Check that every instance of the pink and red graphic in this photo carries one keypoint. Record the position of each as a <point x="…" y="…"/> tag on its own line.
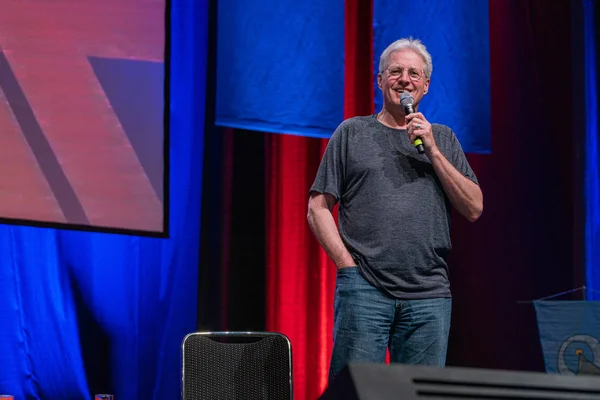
<point x="81" y="112"/>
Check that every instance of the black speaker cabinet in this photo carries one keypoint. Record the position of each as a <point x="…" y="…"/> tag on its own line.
<point x="366" y="381"/>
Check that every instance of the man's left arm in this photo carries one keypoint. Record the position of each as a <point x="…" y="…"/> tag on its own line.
<point x="464" y="194"/>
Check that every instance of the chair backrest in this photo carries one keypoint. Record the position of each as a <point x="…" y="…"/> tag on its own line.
<point x="236" y="365"/>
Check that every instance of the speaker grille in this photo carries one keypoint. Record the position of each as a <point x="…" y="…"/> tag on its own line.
<point x="248" y="366"/>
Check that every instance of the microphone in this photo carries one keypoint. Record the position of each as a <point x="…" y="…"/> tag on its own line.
<point x="407" y="102"/>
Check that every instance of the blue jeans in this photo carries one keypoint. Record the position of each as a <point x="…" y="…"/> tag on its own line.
<point x="367" y="321"/>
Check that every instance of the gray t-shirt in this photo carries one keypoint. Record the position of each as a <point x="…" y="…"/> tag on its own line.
<point x="394" y="216"/>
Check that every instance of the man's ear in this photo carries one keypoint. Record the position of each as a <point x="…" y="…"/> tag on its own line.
<point x="379" y="79"/>
<point x="426" y="86"/>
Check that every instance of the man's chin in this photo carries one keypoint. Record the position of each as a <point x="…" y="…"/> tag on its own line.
<point x="393" y="103"/>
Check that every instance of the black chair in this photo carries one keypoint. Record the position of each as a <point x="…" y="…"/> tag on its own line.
<point x="236" y="365"/>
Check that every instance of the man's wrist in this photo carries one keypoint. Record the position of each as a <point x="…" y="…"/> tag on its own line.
<point x="434" y="154"/>
<point x="345" y="263"/>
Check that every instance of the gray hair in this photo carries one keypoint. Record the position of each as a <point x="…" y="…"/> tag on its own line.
<point x="411" y="44"/>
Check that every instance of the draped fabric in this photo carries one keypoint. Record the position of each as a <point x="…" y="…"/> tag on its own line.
<point x="456" y="34"/>
<point x="592" y="151"/>
<point x="300" y="276"/>
<point x="86" y="313"/>
<point x="280" y="65"/>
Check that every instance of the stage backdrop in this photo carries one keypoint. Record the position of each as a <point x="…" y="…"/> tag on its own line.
<point x="591" y="13"/>
<point x="528" y="243"/>
<point x="280" y="65"/>
<point x="85" y="313"/>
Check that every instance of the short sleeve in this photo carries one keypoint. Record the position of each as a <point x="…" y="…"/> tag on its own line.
<point x="459" y="160"/>
<point x="330" y="175"/>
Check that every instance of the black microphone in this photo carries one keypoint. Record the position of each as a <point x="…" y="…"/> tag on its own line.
<point x="407" y="102"/>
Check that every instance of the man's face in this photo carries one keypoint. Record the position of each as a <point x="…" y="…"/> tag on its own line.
<point x="402" y="73"/>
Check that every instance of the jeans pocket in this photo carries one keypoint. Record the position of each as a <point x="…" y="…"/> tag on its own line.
<point x="347" y="278"/>
<point x="348" y="268"/>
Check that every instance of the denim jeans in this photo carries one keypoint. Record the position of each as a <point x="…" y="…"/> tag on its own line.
<point x="367" y="321"/>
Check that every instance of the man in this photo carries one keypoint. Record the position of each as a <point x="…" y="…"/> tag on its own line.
<point x="392" y="287"/>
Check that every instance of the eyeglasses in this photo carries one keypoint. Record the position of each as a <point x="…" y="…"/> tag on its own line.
<point x="414" y="74"/>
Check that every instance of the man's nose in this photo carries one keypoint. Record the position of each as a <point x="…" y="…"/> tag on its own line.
<point x="404" y="77"/>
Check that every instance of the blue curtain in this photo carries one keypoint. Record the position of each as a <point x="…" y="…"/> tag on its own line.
<point x="281" y="66"/>
<point x="86" y="312"/>
<point x="456" y="34"/>
<point x="592" y="157"/>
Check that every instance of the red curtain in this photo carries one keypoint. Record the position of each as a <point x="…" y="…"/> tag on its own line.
<point x="300" y="276"/>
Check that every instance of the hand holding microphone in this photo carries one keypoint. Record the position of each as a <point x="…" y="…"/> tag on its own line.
<point x="407" y="102"/>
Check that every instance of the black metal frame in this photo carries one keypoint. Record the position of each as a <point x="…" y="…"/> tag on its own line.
<point x="233" y="334"/>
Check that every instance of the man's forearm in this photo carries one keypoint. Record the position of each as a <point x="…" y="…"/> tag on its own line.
<point x="463" y="193"/>
<point x="323" y="226"/>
